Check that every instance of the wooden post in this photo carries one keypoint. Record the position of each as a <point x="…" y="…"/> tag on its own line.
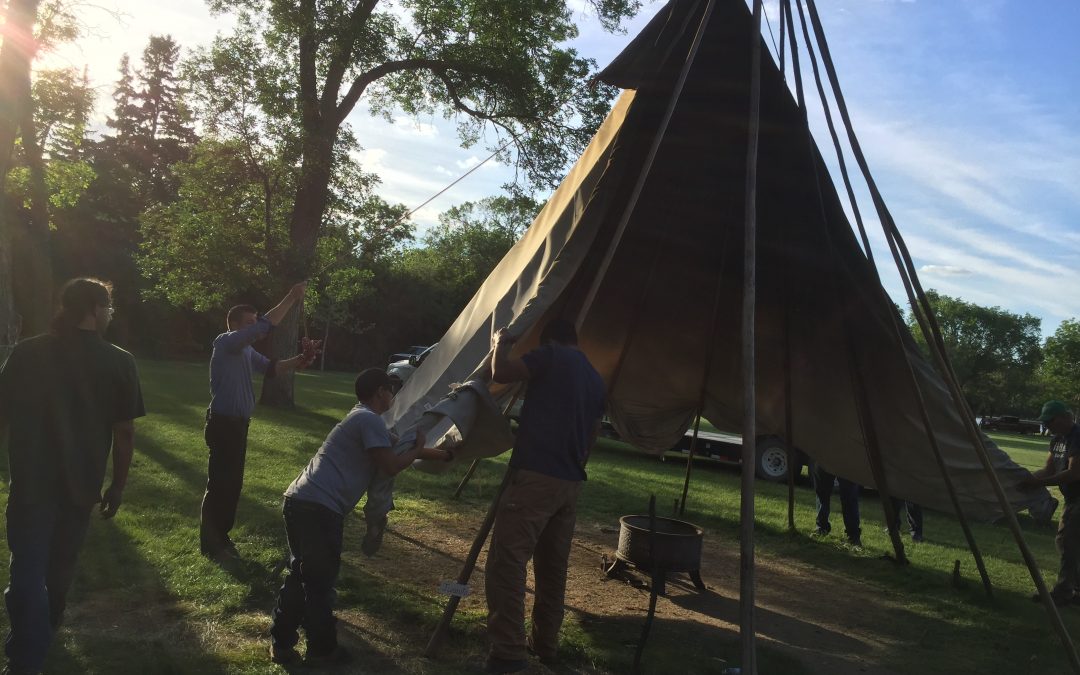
<point x="897" y="331"/>
<point x="928" y="323"/>
<point x="657" y="575"/>
<point x="747" y="628"/>
<point x="467" y="569"/>
<point x="690" y="462"/>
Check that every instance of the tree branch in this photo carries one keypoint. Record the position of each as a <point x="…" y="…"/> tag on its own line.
<point x="339" y="64"/>
<point x="356" y="90"/>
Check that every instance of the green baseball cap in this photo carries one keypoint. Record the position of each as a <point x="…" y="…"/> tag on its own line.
<point x="1052" y="409"/>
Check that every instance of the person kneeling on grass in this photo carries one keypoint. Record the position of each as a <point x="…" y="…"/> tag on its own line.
<point x="314" y="509"/>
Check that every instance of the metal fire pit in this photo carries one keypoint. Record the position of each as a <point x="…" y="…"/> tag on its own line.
<point x="677" y="548"/>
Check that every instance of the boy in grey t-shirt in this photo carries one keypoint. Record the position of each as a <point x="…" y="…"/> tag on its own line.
<point x="316" y="503"/>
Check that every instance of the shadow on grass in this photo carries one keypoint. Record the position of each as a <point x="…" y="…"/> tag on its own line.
<point x="673" y="645"/>
<point x="122" y="617"/>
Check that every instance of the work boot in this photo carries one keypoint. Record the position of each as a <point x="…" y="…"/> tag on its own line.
<point x="335" y="657"/>
<point x="284" y="655"/>
<point x="500" y="665"/>
<point x="546" y="658"/>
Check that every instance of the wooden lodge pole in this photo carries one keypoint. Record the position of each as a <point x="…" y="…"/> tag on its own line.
<point x="897" y="331"/>
<point x="747" y="627"/>
<point x="928" y="323"/>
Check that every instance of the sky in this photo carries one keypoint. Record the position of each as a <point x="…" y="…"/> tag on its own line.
<point x="966" y="111"/>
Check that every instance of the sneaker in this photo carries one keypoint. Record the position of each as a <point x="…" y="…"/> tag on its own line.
<point x="373" y="537"/>
<point x="855" y="541"/>
<point x="819" y="532"/>
<point x="284" y="655"/>
<point x="917" y="538"/>
<point x="496" y="664"/>
<point x="336" y="656"/>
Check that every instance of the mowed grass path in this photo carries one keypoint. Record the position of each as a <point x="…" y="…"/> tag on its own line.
<point x="145" y="601"/>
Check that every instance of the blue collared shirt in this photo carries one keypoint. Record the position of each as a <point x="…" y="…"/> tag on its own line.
<point x="231" y="366"/>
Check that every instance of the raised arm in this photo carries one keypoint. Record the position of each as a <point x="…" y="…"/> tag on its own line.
<point x="504" y="368"/>
<point x="279" y="311"/>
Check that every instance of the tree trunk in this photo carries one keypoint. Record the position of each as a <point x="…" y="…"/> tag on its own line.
<point x="308" y="209"/>
<point x="27" y="268"/>
<point x="31" y="247"/>
<point x="277" y="391"/>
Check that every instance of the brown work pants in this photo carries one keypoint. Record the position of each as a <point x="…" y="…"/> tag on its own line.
<point x="535" y="520"/>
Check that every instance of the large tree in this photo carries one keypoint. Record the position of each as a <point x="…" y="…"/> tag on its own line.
<point x="25" y="264"/>
<point x="497" y="65"/>
<point x="1061" y="363"/>
<point x="994" y="352"/>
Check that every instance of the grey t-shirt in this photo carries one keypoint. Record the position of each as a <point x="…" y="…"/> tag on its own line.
<point x="339" y="473"/>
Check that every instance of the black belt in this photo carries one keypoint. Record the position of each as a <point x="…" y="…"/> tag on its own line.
<point x="225" y="418"/>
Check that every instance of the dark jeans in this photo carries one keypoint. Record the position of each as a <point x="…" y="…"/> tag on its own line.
<point x="44" y="540"/>
<point x="914" y="515"/>
<point x="849" y="501"/>
<point x="1068" y="545"/>
<point x="226" y="437"/>
<point x="307" y="596"/>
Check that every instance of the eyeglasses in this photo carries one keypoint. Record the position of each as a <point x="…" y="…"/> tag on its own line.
<point x="110" y="310"/>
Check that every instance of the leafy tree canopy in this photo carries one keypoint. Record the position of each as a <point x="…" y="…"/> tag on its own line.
<point x="995" y="353"/>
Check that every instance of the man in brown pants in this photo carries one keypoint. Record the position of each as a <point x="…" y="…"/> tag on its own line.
<point x="535" y="517"/>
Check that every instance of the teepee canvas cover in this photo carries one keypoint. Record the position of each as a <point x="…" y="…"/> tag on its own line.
<point x="821" y="312"/>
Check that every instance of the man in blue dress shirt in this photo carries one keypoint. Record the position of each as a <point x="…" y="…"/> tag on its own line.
<point x="232" y="400"/>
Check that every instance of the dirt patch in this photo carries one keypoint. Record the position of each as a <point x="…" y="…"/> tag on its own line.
<point x="822" y="619"/>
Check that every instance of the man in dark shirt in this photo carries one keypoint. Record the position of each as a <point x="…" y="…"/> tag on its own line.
<point x="1063" y="469"/>
<point x="66" y="398"/>
<point x="232" y="400"/>
<point x="535" y="518"/>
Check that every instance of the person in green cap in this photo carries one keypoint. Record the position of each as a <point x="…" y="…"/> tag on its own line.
<point x="1063" y="469"/>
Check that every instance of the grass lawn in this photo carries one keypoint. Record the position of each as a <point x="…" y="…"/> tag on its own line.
<point x="145" y="600"/>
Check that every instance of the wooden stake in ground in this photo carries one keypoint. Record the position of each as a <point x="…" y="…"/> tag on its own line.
<point x="467" y="569"/>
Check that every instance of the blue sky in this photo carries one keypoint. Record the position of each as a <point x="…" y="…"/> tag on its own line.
<point x="965" y="109"/>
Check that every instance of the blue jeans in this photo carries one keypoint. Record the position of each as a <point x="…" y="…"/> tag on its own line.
<point x="44" y="540"/>
<point x="914" y="515"/>
<point x="307" y="596"/>
<point x="849" y="501"/>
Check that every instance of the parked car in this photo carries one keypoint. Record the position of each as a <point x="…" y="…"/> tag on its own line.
<point x="400" y="371"/>
<point x="1011" y="423"/>
<point x="415" y="350"/>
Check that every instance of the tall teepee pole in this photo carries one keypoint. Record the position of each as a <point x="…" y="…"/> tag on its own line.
<point x="897" y="330"/>
<point x="746" y="511"/>
<point x="928" y="322"/>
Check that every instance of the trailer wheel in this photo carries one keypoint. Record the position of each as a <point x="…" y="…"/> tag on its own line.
<point x="772" y="460"/>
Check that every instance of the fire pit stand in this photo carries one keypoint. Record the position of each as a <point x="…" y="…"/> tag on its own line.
<point x="676" y="549"/>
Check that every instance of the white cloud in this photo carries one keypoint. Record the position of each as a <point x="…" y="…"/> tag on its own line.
<point x="945" y="270"/>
